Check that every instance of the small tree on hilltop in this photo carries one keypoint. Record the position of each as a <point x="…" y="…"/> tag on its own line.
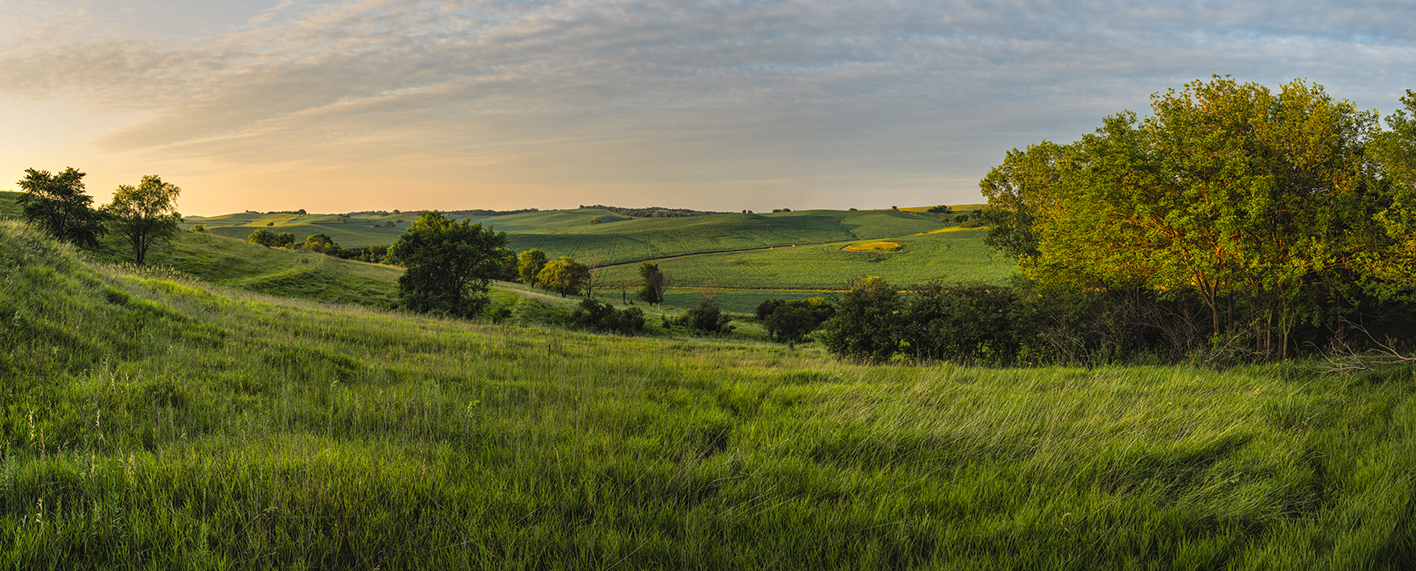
<point x="450" y="265"/>
<point x="145" y="214"/>
<point x="57" y="204"/>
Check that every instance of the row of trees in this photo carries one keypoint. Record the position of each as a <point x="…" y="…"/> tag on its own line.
<point x="320" y="243"/>
<point x="142" y="215"/>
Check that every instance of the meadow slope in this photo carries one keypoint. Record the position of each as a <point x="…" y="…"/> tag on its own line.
<point x="152" y="421"/>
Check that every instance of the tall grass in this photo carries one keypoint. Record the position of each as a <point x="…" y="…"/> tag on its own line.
<point x="150" y="421"/>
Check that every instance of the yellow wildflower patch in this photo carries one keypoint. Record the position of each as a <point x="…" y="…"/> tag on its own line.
<point x="874" y="247"/>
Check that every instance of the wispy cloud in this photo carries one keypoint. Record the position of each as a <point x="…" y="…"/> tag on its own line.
<point x="842" y="97"/>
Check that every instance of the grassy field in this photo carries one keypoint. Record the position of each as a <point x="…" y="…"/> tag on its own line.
<point x="153" y="422"/>
<point x="239" y="264"/>
<point x="615" y="239"/>
<point x="955" y="256"/>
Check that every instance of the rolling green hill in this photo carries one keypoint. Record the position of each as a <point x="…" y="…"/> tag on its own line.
<point x="155" y="422"/>
<point x="615" y="239"/>
<point x="251" y="267"/>
<point x="954" y="256"/>
<point x="700" y="251"/>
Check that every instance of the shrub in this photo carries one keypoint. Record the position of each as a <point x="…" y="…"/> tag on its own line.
<point x="791" y="321"/>
<point x="707" y="318"/>
<point x="597" y="316"/>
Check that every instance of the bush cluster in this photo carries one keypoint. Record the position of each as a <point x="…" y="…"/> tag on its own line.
<point x="791" y="321"/>
<point x="596" y="316"/>
<point x="706" y="318"/>
<point x="1026" y="324"/>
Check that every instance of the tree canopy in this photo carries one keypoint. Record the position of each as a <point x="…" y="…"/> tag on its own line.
<point x="1263" y="204"/>
<point x="449" y="265"/>
<point x="564" y="276"/>
<point x="58" y="206"/>
<point x="652" y="283"/>
<point x="145" y="214"/>
<point x="529" y="265"/>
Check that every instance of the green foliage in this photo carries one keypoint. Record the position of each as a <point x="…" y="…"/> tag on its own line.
<point x="529" y="265"/>
<point x="707" y="318"/>
<point x="1265" y="205"/>
<point x="320" y="243"/>
<point x="263" y="237"/>
<point x="58" y="206"/>
<point x="146" y="214"/>
<point x="1394" y="150"/>
<point x="597" y="316"/>
<point x="789" y="321"/>
<point x="866" y="324"/>
<point x="652" y="283"/>
<point x="975" y="323"/>
<point x="564" y="276"/>
<point x="449" y="265"/>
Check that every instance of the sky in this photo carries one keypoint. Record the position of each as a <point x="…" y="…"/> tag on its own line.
<point x="337" y="106"/>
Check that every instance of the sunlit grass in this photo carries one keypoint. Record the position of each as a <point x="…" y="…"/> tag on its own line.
<point x="154" y="421"/>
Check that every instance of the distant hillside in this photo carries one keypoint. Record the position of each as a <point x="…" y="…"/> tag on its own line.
<point x="653" y="211"/>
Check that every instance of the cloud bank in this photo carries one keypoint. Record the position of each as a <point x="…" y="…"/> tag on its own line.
<point x="715" y="104"/>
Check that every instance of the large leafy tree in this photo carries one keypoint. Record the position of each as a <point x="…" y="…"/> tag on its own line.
<point x="1257" y="202"/>
<point x="57" y="204"/>
<point x="145" y="214"/>
<point x="449" y="265"/>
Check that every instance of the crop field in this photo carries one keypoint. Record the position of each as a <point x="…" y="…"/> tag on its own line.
<point x="954" y="256"/>
<point x="160" y="422"/>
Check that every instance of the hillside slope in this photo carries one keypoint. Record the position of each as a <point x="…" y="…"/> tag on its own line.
<point x="152" y="422"/>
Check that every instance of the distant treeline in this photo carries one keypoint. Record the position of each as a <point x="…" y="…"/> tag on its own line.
<point x="484" y="212"/>
<point x="651" y="212"/>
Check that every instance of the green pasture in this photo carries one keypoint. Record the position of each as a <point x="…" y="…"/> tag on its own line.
<point x="651" y="238"/>
<point x="615" y="239"/>
<point x="158" y="422"/>
<point x="953" y="256"/>
<point x="251" y="267"/>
